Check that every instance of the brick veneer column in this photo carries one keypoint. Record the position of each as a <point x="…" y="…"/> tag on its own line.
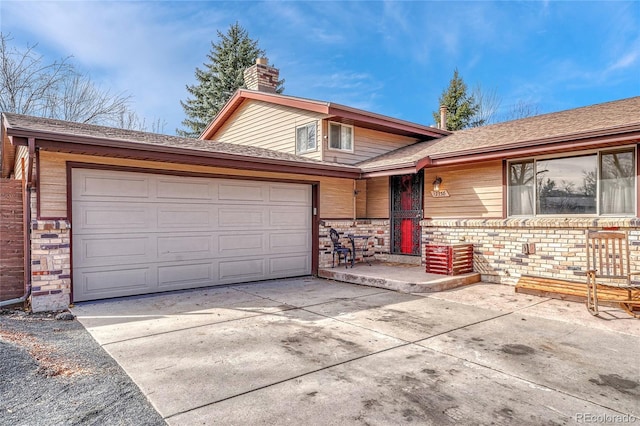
<point x="50" y="265"/>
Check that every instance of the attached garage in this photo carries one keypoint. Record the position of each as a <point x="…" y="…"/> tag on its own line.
<point x="117" y="212"/>
<point x="137" y="233"/>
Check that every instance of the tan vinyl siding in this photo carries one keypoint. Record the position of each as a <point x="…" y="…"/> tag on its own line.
<point x="475" y="191"/>
<point x="336" y="194"/>
<point x="361" y="199"/>
<point x="269" y="126"/>
<point x="367" y="144"/>
<point x="378" y="197"/>
<point x="7" y="155"/>
<point x="22" y="152"/>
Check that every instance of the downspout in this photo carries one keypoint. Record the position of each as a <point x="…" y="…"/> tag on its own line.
<point x="26" y="211"/>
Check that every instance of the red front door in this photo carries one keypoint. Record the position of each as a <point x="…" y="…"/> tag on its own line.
<point x="406" y="213"/>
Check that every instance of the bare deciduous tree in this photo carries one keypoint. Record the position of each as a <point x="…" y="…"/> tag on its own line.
<point x="25" y="82"/>
<point x="78" y="99"/>
<point x="130" y="120"/>
<point x="488" y="106"/>
<point x="522" y="109"/>
<point x="30" y="86"/>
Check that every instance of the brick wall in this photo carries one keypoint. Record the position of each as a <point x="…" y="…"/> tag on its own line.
<point x="50" y="265"/>
<point x="506" y="249"/>
<point x="11" y="239"/>
<point x="377" y="244"/>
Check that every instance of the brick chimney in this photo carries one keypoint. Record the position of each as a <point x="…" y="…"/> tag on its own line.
<point x="261" y="76"/>
<point x="443" y="117"/>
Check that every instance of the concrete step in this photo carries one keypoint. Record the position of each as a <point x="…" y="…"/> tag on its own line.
<point x="403" y="278"/>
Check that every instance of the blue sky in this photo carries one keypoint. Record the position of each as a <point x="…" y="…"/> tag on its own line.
<point x="390" y="57"/>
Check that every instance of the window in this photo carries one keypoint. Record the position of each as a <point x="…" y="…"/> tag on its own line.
<point x="340" y="136"/>
<point x="598" y="183"/>
<point x="306" y="138"/>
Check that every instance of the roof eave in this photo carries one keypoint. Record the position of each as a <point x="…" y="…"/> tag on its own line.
<point x="382" y="120"/>
<point x="564" y="143"/>
<point x="128" y="149"/>
<point x="394" y="170"/>
<point x="327" y="108"/>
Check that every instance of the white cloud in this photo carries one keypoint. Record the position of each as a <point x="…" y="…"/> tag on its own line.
<point x="626" y="61"/>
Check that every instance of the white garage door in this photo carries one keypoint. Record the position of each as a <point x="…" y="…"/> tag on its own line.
<point x="137" y="233"/>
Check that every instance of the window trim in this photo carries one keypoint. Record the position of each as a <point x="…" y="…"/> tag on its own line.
<point x="353" y="137"/>
<point x="599" y="153"/>
<point x="315" y="148"/>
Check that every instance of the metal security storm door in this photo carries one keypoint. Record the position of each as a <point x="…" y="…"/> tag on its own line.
<point x="406" y="213"/>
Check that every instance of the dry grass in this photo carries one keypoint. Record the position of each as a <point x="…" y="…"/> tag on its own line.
<point x="50" y="363"/>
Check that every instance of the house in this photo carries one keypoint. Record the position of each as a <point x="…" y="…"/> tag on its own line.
<point x="116" y="213"/>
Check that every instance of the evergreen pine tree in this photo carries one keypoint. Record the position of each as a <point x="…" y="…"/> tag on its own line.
<point x="219" y="79"/>
<point x="461" y="106"/>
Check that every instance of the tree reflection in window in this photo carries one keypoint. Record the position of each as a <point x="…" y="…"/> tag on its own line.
<point x="562" y="188"/>
<point x="598" y="183"/>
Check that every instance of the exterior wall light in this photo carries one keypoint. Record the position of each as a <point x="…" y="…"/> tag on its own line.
<point x="436" y="183"/>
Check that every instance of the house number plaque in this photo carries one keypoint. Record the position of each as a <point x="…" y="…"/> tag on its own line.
<point x="440" y="194"/>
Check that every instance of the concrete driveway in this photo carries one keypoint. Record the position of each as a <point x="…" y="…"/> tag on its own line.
<point x="313" y="351"/>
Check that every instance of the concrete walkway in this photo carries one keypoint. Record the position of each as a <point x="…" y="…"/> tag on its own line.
<point x="314" y="351"/>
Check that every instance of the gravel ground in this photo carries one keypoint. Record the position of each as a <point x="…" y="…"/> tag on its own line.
<point x="52" y="372"/>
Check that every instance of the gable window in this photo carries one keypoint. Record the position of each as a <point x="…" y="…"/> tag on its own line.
<point x="597" y="183"/>
<point x="306" y="138"/>
<point x="340" y="136"/>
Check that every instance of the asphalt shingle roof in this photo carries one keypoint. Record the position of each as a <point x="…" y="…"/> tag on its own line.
<point x="531" y="130"/>
<point x="64" y="129"/>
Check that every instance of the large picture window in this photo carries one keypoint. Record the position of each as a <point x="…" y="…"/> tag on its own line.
<point x="340" y="136"/>
<point x="306" y="138"/>
<point x="598" y="183"/>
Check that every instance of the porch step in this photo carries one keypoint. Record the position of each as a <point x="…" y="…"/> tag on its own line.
<point x="399" y="277"/>
<point x="566" y="290"/>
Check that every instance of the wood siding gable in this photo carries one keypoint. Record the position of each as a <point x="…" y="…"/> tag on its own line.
<point x="272" y="126"/>
<point x="265" y="125"/>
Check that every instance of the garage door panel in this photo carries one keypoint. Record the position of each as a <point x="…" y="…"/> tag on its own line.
<point x="101" y="283"/>
<point x="181" y="247"/>
<point x="92" y="217"/>
<point x="241" y="217"/>
<point x="241" y="270"/>
<point x="184" y="233"/>
<point x="289" y="217"/>
<point x="289" y="266"/>
<point x="289" y="194"/>
<point x="241" y="244"/>
<point x="240" y="191"/>
<point x="289" y="242"/>
<point x="172" y="217"/>
<point x="185" y="189"/>
<point x="95" y="185"/>
<point x="192" y="274"/>
<point x="111" y="250"/>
